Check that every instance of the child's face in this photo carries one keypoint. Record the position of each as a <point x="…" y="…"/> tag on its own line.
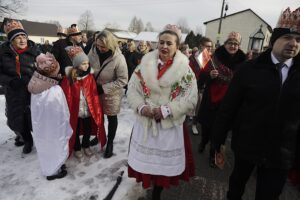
<point x="84" y="65"/>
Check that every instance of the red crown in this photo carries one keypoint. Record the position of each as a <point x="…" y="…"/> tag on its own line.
<point x="12" y="25"/>
<point x="290" y="20"/>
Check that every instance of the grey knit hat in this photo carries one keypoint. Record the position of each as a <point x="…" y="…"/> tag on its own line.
<point x="77" y="55"/>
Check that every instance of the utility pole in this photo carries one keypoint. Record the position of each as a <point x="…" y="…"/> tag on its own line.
<point x="220" y="24"/>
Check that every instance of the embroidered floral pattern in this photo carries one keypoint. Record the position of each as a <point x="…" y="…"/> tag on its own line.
<point x="181" y="86"/>
<point x="146" y="90"/>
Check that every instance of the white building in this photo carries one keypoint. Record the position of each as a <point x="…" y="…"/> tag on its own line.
<point x="38" y="32"/>
<point x="246" y="22"/>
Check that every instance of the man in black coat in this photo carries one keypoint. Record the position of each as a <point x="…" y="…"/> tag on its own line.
<point x="262" y="107"/>
<point x="73" y="39"/>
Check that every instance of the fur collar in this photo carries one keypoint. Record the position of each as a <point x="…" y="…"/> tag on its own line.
<point x="149" y="70"/>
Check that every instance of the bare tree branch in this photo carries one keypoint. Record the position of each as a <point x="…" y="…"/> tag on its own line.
<point x="86" y="21"/>
<point x="12" y="8"/>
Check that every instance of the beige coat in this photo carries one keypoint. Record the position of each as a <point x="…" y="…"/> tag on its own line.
<point x="112" y="78"/>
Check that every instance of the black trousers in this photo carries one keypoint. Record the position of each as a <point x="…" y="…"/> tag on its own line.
<point x="87" y="128"/>
<point x="269" y="181"/>
<point x="112" y="128"/>
<point x="26" y="133"/>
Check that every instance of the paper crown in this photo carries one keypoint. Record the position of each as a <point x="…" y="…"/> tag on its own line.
<point x="73" y="30"/>
<point x="234" y="36"/>
<point x="47" y="65"/>
<point x="61" y="31"/>
<point x="13" y="28"/>
<point x="290" y="20"/>
<point x="77" y="55"/>
<point x="173" y="28"/>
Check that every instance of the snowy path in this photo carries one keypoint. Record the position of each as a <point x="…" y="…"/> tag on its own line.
<point x="20" y="176"/>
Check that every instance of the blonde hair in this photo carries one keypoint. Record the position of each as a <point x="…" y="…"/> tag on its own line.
<point x="108" y="40"/>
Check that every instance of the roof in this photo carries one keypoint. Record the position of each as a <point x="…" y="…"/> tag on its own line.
<point x="153" y="36"/>
<point x="125" y="34"/>
<point x="268" y="26"/>
<point x="36" y="28"/>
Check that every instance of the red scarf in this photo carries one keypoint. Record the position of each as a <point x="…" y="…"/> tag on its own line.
<point x="163" y="68"/>
<point x="18" y="65"/>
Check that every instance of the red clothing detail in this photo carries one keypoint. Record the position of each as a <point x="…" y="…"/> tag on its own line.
<point x="167" y="181"/>
<point x="72" y="93"/>
<point x="162" y="69"/>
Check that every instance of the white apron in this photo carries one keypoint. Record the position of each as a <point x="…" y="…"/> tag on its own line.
<point x="161" y="154"/>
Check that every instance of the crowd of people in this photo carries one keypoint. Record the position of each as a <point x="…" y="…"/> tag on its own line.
<point x="57" y="96"/>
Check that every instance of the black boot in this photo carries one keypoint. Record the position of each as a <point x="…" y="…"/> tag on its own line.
<point x="27" y="147"/>
<point x="212" y="163"/>
<point x="109" y="150"/>
<point x="19" y="141"/>
<point x="62" y="173"/>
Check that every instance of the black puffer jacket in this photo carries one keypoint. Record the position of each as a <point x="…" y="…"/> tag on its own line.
<point x="265" y="114"/>
<point x="17" y="98"/>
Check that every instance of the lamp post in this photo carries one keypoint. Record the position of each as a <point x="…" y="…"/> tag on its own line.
<point x="256" y="40"/>
<point x="220" y="22"/>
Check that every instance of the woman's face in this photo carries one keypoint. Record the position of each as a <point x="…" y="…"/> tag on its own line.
<point x="101" y="46"/>
<point x="232" y="47"/>
<point x="20" y="42"/>
<point x="84" y="65"/>
<point x="167" y="46"/>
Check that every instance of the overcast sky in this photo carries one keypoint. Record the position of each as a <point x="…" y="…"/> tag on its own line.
<point x="158" y="12"/>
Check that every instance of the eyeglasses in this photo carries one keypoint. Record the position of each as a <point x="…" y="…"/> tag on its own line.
<point x="232" y="44"/>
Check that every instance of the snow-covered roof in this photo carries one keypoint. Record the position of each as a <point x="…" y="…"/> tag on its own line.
<point x="153" y="36"/>
<point x="125" y="34"/>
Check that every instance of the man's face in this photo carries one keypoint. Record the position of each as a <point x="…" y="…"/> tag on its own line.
<point x="208" y="46"/>
<point x="286" y="47"/>
<point x="77" y="38"/>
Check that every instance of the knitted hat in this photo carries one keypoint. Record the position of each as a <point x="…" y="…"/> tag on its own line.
<point x="77" y="55"/>
<point x="13" y="28"/>
<point x="173" y="28"/>
<point x="234" y="36"/>
<point x="47" y="65"/>
<point x="289" y="22"/>
<point x="73" y="30"/>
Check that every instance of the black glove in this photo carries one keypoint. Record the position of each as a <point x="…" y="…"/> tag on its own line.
<point x="100" y="89"/>
<point x="18" y="83"/>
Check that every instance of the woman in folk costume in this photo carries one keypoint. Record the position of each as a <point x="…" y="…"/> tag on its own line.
<point x="85" y="108"/>
<point x="50" y="117"/>
<point x="161" y="91"/>
<point x="215" y="78"/>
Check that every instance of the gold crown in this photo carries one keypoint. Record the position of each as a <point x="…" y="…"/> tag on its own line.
<point x="73" y="30"/>
<point x="290" y="20"/>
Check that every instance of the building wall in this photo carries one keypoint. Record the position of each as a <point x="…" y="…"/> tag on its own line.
<point x="42" y="39"/>
<point x="245" y="23"/>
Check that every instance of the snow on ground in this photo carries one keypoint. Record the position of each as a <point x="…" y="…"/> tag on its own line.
<point x="21" y="178"/>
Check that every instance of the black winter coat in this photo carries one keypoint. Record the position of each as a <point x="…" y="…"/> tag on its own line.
<point x="60" y="54"/>
<point x="207" y="111"/>
<point x="265" y="115"/>
<point x="17" y="98"/>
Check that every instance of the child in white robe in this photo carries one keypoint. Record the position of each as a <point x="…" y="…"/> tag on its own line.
<point x="50" y="117"/>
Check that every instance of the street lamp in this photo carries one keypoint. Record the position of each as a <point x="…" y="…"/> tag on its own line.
<point x="256" y="40"/>
<point x="220" y="22"/>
